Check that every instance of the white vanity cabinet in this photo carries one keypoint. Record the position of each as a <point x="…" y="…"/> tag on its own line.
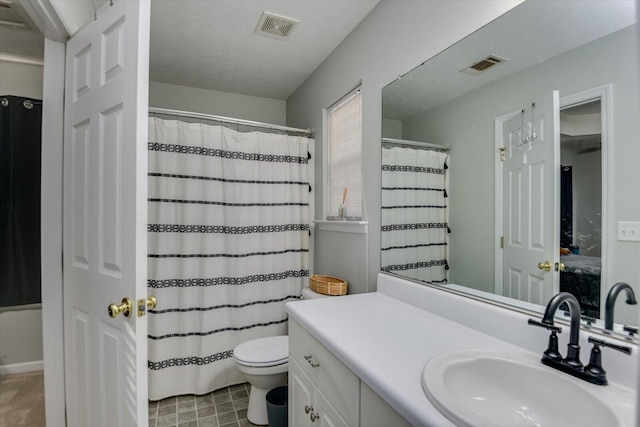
<point x="307" y="405"/>
<point x="322" y="390"/>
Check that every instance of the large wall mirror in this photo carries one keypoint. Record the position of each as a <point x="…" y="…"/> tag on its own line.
<point x="510" y="160"/>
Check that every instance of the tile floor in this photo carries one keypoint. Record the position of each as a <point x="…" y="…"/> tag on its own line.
<point x="226" y="407"/>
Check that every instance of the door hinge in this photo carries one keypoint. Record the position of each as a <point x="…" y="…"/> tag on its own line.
<point x="501" y="242"/>
<point x="503" y="153"/>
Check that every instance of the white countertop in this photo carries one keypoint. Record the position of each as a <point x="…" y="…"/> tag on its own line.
<point x="390" y="359"/>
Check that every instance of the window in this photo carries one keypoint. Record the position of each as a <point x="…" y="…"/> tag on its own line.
<point x="344" y="136"/>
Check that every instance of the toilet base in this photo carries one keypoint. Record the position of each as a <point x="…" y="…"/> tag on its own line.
<point x="257" y="410"/>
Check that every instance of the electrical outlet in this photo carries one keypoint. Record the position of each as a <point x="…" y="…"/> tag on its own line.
<point x="629" y="231"/>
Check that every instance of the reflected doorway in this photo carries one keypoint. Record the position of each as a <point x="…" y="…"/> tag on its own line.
<point x="581" y="203"/>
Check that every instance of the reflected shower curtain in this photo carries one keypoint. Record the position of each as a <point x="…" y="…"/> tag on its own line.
<point x="228" y="242"/>
<point x="20" y="143"/>
<point x="414" y="213"/>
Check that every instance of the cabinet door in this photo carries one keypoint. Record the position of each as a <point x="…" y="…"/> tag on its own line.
<point x="301" y="391"/>
<point x="328" y="416"/>
<point x="376" y="412"/>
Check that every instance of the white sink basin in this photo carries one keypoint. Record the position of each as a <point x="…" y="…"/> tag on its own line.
<point x="479" y="387"/>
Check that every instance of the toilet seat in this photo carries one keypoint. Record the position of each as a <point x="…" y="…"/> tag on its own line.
<point x="263" y="352"/>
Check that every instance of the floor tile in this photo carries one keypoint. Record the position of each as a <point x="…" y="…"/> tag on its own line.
<point x="227" y="418"/>
<point x="163" y="411"/>
<point x="226" y="407"/>
<point x="167" y="401"/>
<point x="221" y="398"/>
<point x="208" y="422"/>
<point x="188" y="405"/>
<point x="186" y="398"/>
<point x="242" y="414"/>
<point x="237" y="387"/>
<point x="239" y="394"/>
<point x="187" y="416"/>
<point x="241" y="403"/>
<point x="203" y="401"/>
<point x="206" y="411"/>
<point x="168" y="421"/>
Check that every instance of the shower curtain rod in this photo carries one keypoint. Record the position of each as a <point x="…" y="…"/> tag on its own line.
<point x="194" y="115"/>
<point x="417" y="144"/>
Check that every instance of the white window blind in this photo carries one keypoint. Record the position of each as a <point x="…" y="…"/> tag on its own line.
<point x="344" y="122"/>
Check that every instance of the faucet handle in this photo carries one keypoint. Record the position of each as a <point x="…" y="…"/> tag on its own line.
<point x="631" y="330"/>
<point x="598" y="342"/>
<point x="545" y="325"/>
<point x="552" y="349"/>
<point x="594" y="369"/>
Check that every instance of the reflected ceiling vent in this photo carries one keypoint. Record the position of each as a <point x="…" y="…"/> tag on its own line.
<point x="275" y="26"/>
<point x="9" y="16"/>
<point x="483" y="65"/>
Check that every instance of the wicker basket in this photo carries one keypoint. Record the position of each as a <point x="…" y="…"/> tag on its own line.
<point x="327" y="285"/>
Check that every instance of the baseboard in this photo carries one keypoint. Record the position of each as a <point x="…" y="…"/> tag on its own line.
<point x="18" y="368"/>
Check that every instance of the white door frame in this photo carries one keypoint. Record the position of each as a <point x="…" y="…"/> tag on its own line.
<point x="604" y="93"/>
<point x="45" y="17"/>
<point x="51" y="233"/>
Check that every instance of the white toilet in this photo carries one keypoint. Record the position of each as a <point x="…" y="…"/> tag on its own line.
<point x="265" y="363"/>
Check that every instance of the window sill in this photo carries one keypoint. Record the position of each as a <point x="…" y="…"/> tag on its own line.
<point x="357" y="227"/>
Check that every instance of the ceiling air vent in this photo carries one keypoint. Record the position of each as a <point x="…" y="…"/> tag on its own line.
<point x="483" y="65"/>
<point x="9" y="16"/>
<point x="276" y="26"/>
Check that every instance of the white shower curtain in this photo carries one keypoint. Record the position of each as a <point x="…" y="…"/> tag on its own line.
<point x="414" y="213"/>
<point x="228" y="242"/>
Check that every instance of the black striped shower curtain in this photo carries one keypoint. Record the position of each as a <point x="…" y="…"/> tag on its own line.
<point x="228" y="239"/>
<point x="414" y="219"/>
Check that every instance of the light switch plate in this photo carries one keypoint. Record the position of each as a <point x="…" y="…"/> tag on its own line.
<point x="629" y="231"/>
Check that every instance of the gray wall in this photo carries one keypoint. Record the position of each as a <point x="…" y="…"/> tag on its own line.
<point x="225" y="104"/>
<point x="394" y="38"/>
<point x="20" y="79"/>
<point x="20" y="329"/>
<point x="473" y="150"/>
<point x="587" y="202"/>
<point x="391" y="129"/>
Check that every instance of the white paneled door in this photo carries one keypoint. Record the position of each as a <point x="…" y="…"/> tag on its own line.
<point x="105" y="217"/>
<point x="530" y="213"/>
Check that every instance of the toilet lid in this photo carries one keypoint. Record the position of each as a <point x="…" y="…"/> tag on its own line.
<point x="268" y="351"/>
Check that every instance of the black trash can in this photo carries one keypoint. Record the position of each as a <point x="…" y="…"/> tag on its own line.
<point x="277" y="407"/>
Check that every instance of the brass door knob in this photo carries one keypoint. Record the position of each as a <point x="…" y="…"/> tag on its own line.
<point x="152" y="302"/>
<point x="546" y="265"/>
<point x="124" y="308"/>
<point x="559" y="266"/>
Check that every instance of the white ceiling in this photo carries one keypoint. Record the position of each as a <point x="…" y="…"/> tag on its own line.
<point x="212" y="44"/>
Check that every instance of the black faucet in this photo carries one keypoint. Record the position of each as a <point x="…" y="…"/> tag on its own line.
<point x="611" y="301"/>
<point x="593" y="373"/>
<point x="573" y="348"/>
